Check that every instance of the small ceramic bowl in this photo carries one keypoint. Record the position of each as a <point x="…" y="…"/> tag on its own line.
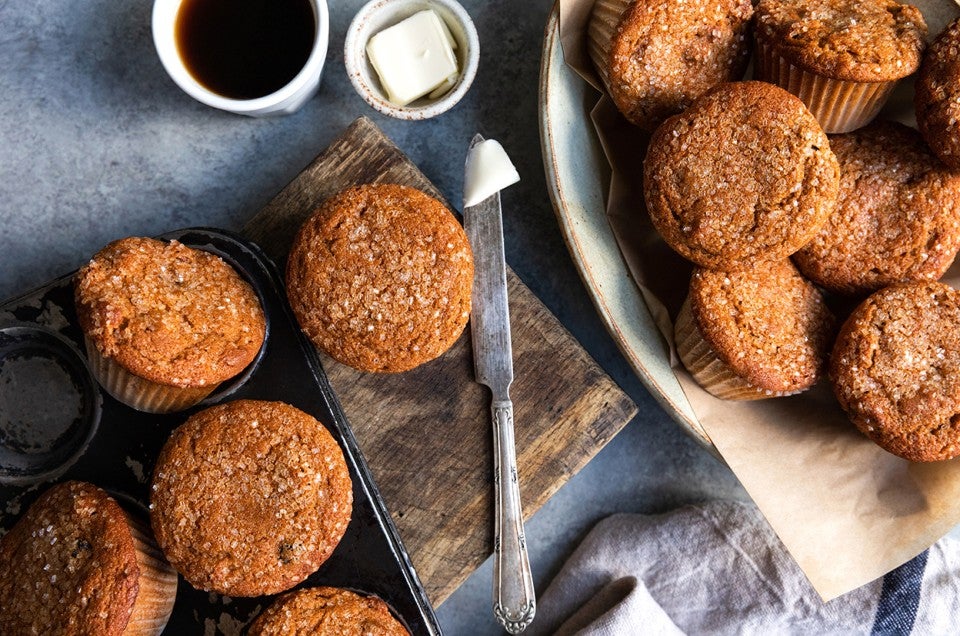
<point x="377" y="15"/>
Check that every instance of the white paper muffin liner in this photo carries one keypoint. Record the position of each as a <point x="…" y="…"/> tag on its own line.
<point x="603" y="24"/>
<point x="840" y="106"/>
<point x="158" y="583"/>
<point x="139" y="393"/>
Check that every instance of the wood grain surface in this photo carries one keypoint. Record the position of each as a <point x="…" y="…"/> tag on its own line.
<point x="426" y="433"/>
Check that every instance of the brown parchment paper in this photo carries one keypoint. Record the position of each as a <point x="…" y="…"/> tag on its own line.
<point x="846" y="510"/>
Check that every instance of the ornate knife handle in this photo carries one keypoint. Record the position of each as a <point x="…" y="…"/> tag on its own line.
<point x="514" y="603"/>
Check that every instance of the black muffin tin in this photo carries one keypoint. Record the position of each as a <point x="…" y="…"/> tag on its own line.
<point x="57" y="424"/>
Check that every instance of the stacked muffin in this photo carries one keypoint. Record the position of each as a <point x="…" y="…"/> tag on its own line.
<point x="790" y="201"/>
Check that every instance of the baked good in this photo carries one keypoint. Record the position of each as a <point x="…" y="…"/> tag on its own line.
<point x="743" y="176"/>
<point x="327" y="611"/>
<point x="164" y="323"/>
<point x="755" y="333"/>
<point x="897" y="216"/>
<point x="895" y="369"/>
<point x="380" y="277"/>
<point x="652" y="72"/>
<point x="77" y="563"/>
<point x="937" y="96"/>
<point x="843" y="58"/>
<point x="250" y="497"/>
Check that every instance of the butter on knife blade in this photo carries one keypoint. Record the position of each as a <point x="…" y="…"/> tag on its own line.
<point x="488" y="170"/>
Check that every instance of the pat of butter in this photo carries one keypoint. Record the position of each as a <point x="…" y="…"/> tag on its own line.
<point x="414" y="57"/>
<point x="488" y="170"/>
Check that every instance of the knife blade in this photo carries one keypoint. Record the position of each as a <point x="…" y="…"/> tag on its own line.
<point x="514" y="602"/>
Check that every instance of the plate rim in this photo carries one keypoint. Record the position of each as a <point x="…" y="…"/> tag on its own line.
<point x="681" y="413"/>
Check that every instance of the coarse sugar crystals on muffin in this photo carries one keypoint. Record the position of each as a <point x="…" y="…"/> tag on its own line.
<point x="250" y="497"/>
<point x="743" y="176"/>
<point x="327" y="611"/>
<point x="77" y="563"/>
<point x="165" y="323"/>
<point x="843" y="58"/>
<point x="937" y="96"/>
<point x="895" y="370"/>
<point x="655" y="57"/>
<point x="755" y="333"/>
<point x="380" y="277"/>
<point x="897" y="215"/>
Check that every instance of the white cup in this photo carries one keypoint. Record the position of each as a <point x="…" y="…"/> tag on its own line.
<point x="283" y="101"/>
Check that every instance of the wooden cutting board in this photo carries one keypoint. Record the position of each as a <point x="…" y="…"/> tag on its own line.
<point x="426" y="433"/>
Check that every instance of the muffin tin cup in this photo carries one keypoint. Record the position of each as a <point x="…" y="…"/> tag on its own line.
<point x="713" y="374"/>
<point x="603" y="24"/>
<point x="839" y="106"/>
<point x="50" y="407"/>
<point x="370" y="558"/>
<point x="139" y="393"/>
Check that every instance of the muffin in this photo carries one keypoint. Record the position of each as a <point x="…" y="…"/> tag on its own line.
<point x="753" y="334"/>
<point x="843" y="58"/>
<point x="327" y="611"/>
<point x="897" y="216"/>
<point x="896" y="370"/>
<point x="937" y="96"/>
<point x="380" y="277"/>
<point x="77" y="563"/>
<point x="164" y="323"/>
<point x="250" y="497"/>
<point x="651" y="71"/>
<point x="743" y="176"/>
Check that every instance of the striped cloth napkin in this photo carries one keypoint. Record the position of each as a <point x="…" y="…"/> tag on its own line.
<point x="718" y="568"/>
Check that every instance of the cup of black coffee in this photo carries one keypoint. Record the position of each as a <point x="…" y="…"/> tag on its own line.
<point x="252" y="57"/>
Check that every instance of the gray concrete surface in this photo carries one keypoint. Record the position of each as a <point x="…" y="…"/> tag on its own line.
<point x="96" y="143"/>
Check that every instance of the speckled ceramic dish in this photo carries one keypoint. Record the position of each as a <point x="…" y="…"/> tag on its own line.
<point x="376" y="16"/>
<point x="578" y="195"/>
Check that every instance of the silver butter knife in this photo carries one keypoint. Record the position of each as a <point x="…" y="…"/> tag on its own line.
<point x="514" y="603"/>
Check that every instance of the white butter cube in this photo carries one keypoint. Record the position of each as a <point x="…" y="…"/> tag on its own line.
<point x="414" y="57"/>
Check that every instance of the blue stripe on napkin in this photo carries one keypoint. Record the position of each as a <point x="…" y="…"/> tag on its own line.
<point x="900" y="598"/>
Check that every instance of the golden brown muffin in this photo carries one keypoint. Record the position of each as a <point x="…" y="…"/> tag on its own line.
<point x="937" y="96"/>
<point x="897" y="216"/>
<point x="76" y="563"/>
<point x="743" y="176"/>
<point x="896" y="370"/>
<point x="380" y="277"/>
<point x="652" y="72"/>
<point x="327" y="611"/>
<point x="753" y="334"/>
<point x="165" y="323"/>
<point x="841" y="57"/>
<point x="250" y="497"/>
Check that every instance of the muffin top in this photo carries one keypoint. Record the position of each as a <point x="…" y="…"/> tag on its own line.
<point x="896" y="369"/>
<point x="250" y="497"/>
<point x="850" y="40"/>
<point x="69" y="565"/>
<point x="742" y="176"/>
<point x="937" y="96"/>
<point x="380" y="277"/>
<point x="655" y="72"/>
<point x="897" y="216"/>
<point x="768" y="323"/>
<point x="327" y="611"/>
<point x="169" y="313"/>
